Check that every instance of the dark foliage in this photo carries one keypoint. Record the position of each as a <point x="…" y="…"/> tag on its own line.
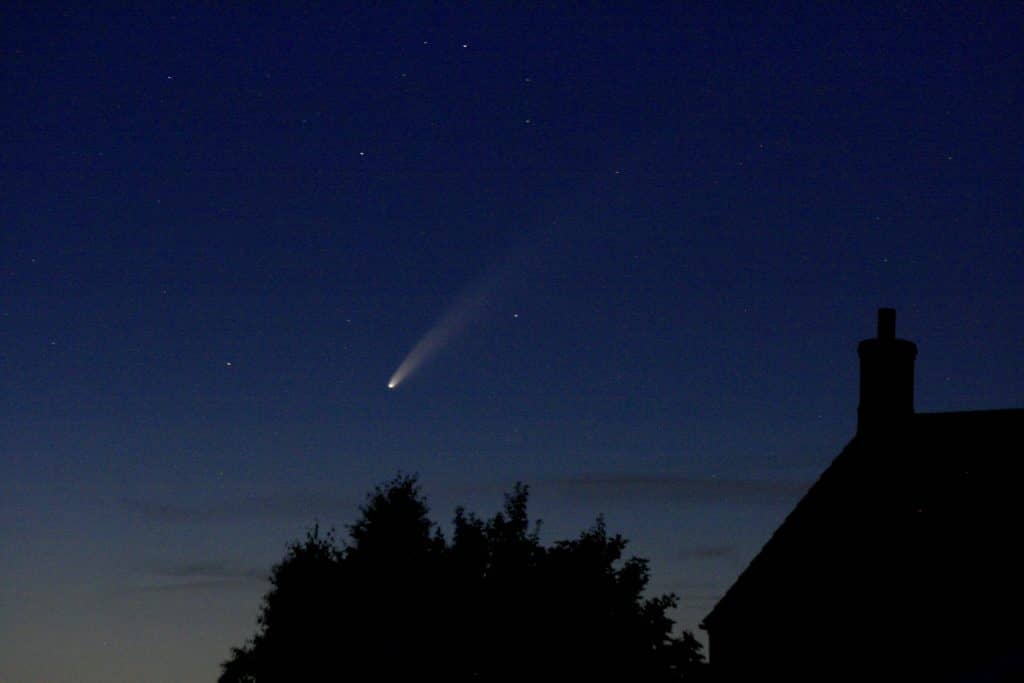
<point x="400" y="602"/>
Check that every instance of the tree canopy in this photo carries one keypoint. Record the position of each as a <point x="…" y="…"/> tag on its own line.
<point x="398" y="600"/>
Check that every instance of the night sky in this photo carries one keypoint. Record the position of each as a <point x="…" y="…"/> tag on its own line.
<point x="652" y="236"/>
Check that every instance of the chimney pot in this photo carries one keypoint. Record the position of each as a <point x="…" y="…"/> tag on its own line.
<point x="886" y="323"/>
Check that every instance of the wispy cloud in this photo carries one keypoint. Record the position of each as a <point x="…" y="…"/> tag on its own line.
<point x="201" y="575"/>
<point x="682" y="489"/>
<point x="711" y="552"/>
<point x="283" y="505"/>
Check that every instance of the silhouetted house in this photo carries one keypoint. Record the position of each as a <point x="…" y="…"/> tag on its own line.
<point x="902" y="562"/>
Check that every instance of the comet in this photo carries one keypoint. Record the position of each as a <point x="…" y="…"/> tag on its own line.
<point x="535" y="252"/>
<point x="450" y="325"/>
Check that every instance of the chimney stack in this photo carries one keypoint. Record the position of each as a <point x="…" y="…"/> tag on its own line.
<point x="886" y="376"/>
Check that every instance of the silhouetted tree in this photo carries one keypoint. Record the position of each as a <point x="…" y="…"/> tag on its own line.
<point x="295" y="621"/>
<point x="399" y="602"/>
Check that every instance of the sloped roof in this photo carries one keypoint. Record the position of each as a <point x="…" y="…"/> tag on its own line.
<point x="935" y="492"/>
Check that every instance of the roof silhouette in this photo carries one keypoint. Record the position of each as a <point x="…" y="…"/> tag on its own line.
<point x="901" y="559"/>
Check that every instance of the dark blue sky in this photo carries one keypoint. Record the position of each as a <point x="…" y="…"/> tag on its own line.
<point x="223" y="228"/>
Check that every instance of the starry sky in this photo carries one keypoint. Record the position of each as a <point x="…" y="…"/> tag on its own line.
<point x="657" y="231"/>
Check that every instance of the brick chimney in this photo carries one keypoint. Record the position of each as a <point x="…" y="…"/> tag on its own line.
<point x="886" y="376"/>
